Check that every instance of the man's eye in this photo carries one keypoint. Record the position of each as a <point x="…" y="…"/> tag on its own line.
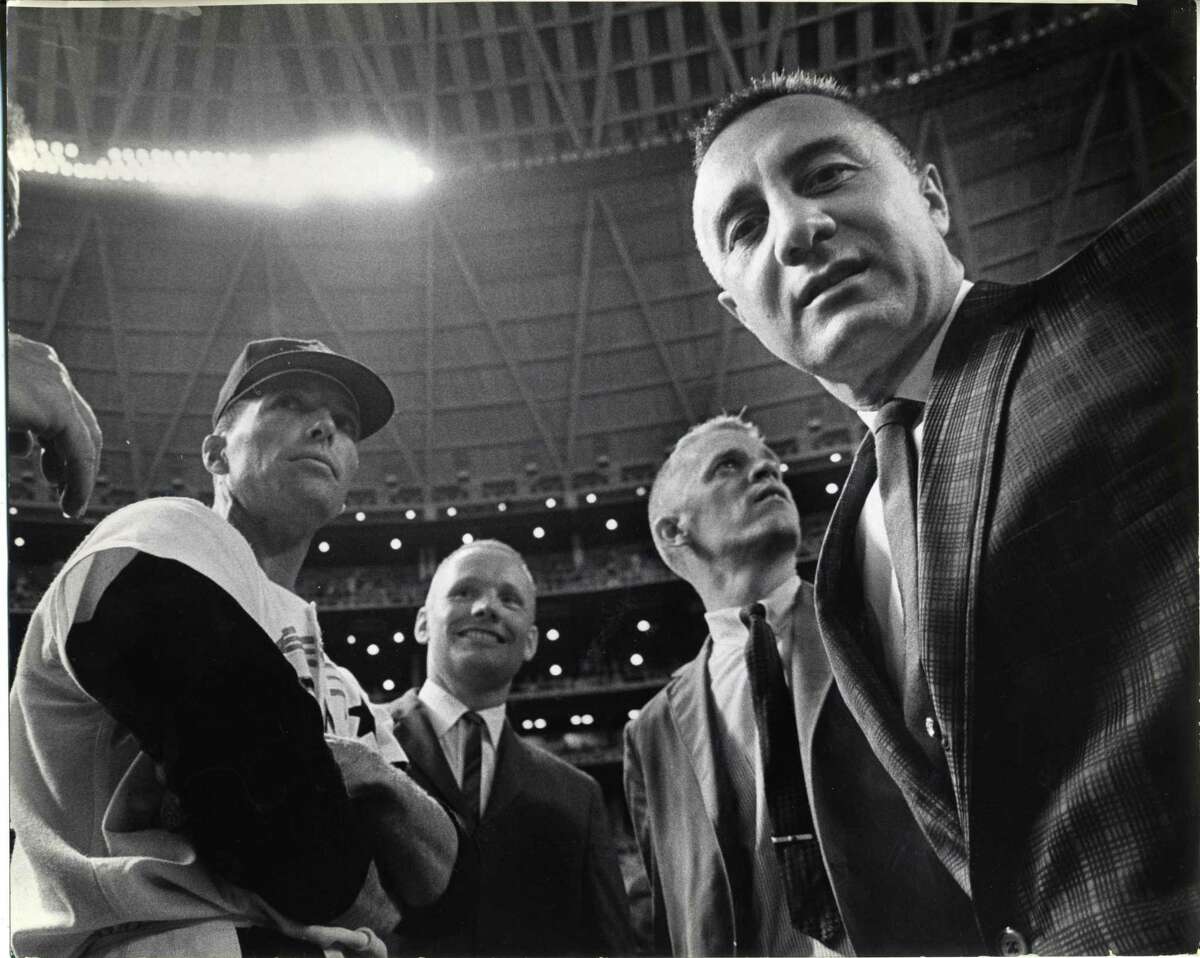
<point x="828" y="177"/>
<point x="743" y="230"/>
<point x="347" y="425"/>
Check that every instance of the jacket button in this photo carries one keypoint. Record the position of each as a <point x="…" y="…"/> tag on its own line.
<point x="1012" y="942"/>
<point x="931" y="728"/>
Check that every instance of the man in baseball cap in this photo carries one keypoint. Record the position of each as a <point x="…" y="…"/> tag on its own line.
<point x="191" y="773"/>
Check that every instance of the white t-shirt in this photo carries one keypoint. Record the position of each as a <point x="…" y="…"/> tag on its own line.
<point x="90" y="856"/>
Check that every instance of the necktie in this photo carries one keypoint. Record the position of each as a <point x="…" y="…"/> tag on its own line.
<point x="810" y="898"/>
<point x="898" y="487"/>
<point x="897" y="461"/>
<point x="472" y="765"/>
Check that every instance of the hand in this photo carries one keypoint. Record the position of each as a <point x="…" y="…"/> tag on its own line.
<point x="415" y="842"/>
<point x="43" y="401"/>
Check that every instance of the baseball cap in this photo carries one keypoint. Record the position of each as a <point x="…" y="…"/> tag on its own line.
<point x="265" y="359"/>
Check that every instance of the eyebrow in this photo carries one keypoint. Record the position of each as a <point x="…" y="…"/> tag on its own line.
<point x="799" y="157"/>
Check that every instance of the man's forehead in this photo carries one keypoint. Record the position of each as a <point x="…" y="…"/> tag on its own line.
<point x="487" y="561"/>
<point x="704" y="445"/>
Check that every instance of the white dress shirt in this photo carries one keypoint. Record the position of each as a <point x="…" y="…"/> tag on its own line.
<point x="881" y="589"/>
<point x="444" y="714"/>
<point x="736" y="728"/>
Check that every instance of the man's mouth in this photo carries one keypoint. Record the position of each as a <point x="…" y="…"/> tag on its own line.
<point x="828" y="278"/>
<point x="770" y="492"/>
<point x="313" y="457"/>
<point x="483" y="635"/>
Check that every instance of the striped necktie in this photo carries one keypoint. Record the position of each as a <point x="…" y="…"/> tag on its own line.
<point x="472" y="765"/>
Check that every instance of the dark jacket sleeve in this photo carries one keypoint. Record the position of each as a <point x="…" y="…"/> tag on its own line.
<point x="209" y="697"/>
<point x="604" y="889"/>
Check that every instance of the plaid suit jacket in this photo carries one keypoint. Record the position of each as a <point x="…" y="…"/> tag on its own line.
<point x="1058" y="594"/>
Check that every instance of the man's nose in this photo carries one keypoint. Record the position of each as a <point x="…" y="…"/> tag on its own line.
<point x="323" y="426"/>
<point x="801" y="225"/>
<point x="484" y="606"/>
<point x="765" y="469"/>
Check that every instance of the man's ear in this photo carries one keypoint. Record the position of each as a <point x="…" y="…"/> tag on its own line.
<point x="531" y="642"/>
<point x="935" y="197"/>
<point x="670" y="531"/>
<point x="212" y="451"/>
<point x="421" y="628"/>
<point x="725" y="298"/>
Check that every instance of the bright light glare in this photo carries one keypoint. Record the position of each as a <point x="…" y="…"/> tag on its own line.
<point x="350" y="168"/>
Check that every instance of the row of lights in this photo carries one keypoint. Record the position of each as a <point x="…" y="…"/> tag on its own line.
<point x="373" y="648"/>
<point x="396" y="544"/>
<point x="539" y="724"/>
<point x="350" y="168"/>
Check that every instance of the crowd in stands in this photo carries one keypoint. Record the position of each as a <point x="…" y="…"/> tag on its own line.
<point x="391" y="586"/>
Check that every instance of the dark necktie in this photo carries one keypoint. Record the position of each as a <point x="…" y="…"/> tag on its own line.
<point x="472" y="765"/>
<point x="809" y="895"/>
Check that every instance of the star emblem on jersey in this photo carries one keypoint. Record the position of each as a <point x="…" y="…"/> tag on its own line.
<point x="366" y="720"/>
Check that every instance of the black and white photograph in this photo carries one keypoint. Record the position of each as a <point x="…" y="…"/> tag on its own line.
<point x="632" y="478"/>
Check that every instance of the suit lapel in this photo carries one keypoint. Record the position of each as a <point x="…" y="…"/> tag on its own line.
<point x="839" y="605"/>
<point x="690" y="707"/>
<point x="425" y="754"/>
<point x="963" y="419"/>
<point x="511" y="760"/>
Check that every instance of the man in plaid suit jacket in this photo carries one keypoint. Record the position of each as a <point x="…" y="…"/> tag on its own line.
<point x="1040" y="724"/>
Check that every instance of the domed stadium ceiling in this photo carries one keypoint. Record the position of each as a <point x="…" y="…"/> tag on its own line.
<point x="537" y="306"/>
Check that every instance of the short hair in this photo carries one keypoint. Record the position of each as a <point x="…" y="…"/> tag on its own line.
<point x="489" y="544"/>
<point x="670" y="467"/>
<point x="774" y="86"/>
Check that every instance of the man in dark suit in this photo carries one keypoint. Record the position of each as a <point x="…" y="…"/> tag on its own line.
<point x="1007" y="590"/>
<point x="548" y="882"/>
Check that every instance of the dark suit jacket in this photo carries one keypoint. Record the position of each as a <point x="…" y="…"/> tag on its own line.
<point x="1057" y="595"/>
<point x="548" y="882"/>
<point x="686" y="826"/>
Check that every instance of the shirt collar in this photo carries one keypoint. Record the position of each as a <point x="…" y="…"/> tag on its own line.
<point x="725" y="625"/>
<point x="919" y="381"/>
<point x="445" y="710"/>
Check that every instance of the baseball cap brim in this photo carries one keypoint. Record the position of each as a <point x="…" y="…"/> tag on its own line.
<point x="374" y="399"/>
